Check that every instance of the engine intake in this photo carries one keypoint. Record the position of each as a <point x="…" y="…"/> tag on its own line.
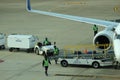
<point x="103" y="40"/>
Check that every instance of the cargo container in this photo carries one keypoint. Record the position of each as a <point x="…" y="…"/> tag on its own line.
<point x="17" y="41"/>
<point x="2" y="41"/>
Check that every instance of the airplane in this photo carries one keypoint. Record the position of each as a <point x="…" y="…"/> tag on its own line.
<point x="110" y="35"/>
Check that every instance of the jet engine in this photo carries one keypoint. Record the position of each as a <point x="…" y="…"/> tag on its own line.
<point x="103" y="40"/>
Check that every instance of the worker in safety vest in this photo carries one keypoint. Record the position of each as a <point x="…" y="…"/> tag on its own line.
<point x="46" y="42"/>
<point x="56" y="52"/>
<point x="45" y="64"/>
<point x="95" y="29"/>
<point x="85" y="51"/>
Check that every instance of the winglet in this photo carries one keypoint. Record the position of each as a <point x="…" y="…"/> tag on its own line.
<point x="28" y="6"/>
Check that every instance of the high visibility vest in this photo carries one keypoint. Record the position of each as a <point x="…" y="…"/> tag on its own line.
<point x="46" y="62"/>
<point x="56" y="51"/>
<point x="95" y="28"/>
<point x="45" y="42"/>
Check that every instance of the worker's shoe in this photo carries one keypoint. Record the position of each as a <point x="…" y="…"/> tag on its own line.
<point x="46" y="74"/>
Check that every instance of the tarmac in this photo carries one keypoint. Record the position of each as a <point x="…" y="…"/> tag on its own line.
<point x="28" y="66"/>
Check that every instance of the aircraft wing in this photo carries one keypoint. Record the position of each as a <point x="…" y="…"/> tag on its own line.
<point x="107" y="24"/>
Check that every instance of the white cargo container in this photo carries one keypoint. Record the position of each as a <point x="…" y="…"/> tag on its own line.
<point x="2" y="41"/>
<point x="17" y="41"/>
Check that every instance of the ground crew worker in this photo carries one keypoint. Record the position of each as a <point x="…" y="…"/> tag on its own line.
<point x="95" y="28"/>
<point x="45" y="64"/>
<point x="114" y="31"/>
<point x="85" y="51"/>
<point x="56" y="52"/>
<point x="54" y="43"/>
<point x="46" y="42"/>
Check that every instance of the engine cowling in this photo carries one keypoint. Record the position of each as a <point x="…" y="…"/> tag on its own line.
<point x="103" y="40"/>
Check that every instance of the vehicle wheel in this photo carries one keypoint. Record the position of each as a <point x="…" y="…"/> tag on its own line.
<point x="96" y="65"/>
<point x="18" y="49"/>
<point x="37" y="51"/>
<point x="11" y="49"/>
<point x="64" y="63"/>
<point x="28" y="50"/>
<point x="32" y="49"/>
<point x="3" y="46"/>
<point x="0" y="47"/>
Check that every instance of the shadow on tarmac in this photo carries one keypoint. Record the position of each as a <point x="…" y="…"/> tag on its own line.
<point x="86" y="66"/>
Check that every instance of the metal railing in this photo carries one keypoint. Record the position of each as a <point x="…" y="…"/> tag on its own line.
<point x="88" y="50"/>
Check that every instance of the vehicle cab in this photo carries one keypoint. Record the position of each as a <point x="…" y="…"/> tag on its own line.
<point x="39" y="48"/>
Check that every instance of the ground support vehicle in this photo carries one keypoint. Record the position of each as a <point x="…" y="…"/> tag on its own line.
<point x="48" y="49"/>
<point x="94" y="62"/>
<point x="18" y="41"/>
<point x="2" y="41"/>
